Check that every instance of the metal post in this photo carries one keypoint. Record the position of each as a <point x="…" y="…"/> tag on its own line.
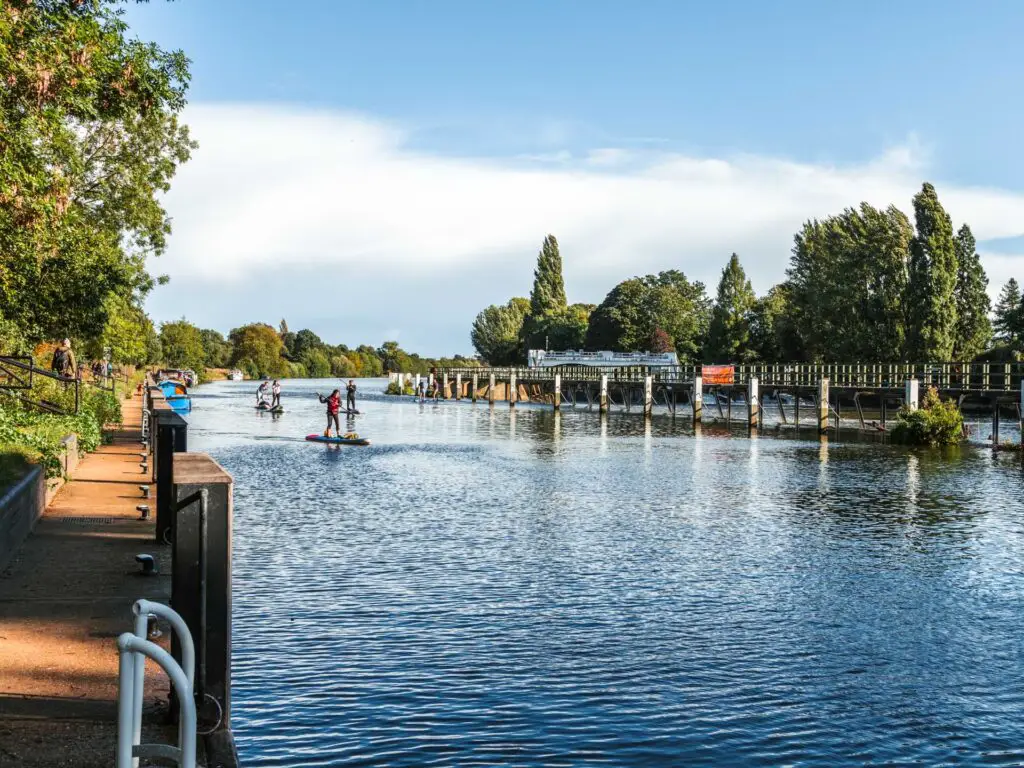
<point x="995" y="421"/>
<point x="603" y="402"/>
<point x="558" y="392"/>
<point x="910" y="395"/>
<point x="648" y="395"/>
<point x="698" y="399"/>
<point x="753" y="403"/>
<point x="823" y="405"/>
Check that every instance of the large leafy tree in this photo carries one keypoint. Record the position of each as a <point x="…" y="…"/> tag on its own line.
<point x="931" y="300"/>
<point x="729" y="333"/>
<point x="631" y="312"/>
<point x="1009" y="314"/>
<point x="771" y="331"/>
<point x="305" y="342"/>
<point x="497" y="330"/>
<point x="973" y="329"/>
<point x="256" y="349"/>
<point x="182" y="345"/>
<point x="216" y="348"/>
<point x="91" y="140"/>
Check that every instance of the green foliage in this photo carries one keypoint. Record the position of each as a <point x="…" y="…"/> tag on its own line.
<point x="729" y="332"/>
<point x="125" y="334"/>
<point x="771" y="334"/>
<point x="973" y="330"/>
<point x="394" y="388"/>
<point x="305" y="340"/>
<point x="91" y="140"/>
<point x="14" y="463"/>
<point x="935" y="423"/>
<point x="257" y="350"/>
<point x="548" y="294"/>
<point x="931" y="301"/>
<point x="627" y="318"/>
<point x="182" y="345"/>
<point x="316" y="363"/>
<point x="496" y="334"/>
<point x="1009" y="320"/>
<point x="216" y="349"/>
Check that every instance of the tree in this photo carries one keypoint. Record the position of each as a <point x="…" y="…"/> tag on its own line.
<point x="660" y="342"/>
<point x="771" y="335"/>
<point x="216" y="348"/>
<point x="182" y="345"/>
<point x="1009" y="314"/>
<point x="931" y="301"/>
<point x="125" y="333"/>
<point x="729" y="333"/>
<point x="973" y="330"/>
<point x="91" y="140"/>
<point x="318" y="366"/>
<point x="256" y="349"/>
<point x="548" y="294"/>
<point x="305" y="341"/>
<point x="497" y="330"/>
<point x="283" y="328"/>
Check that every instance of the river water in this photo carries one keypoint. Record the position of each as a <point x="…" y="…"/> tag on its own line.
<point x="483" y="587"/>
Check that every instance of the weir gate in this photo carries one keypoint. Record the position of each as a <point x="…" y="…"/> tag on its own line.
<point x="870" y="390"/>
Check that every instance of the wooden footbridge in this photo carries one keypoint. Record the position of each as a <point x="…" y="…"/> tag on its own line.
<point x="824" y="389"/>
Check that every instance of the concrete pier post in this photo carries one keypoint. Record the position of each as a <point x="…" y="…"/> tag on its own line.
<point x="698" y="399"/>
<point x="512" y="391"/>
<point x="648" y="395"/>
<point x="444" y="385"/>
<point x="474" y="383"/>
<point x="558" y="392"/>
<point x="603" y="402"/>
<point x="753" y="403"/>
<point x="458" y="386"/>
<point x="416" y="383"/>
<point x="910" y="395"/>
<point x="490" y="390"/>
<point x="823" y="405"/>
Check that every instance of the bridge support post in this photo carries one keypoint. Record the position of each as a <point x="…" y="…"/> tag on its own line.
<point x="512" y="391"/>
<point x="753" y="403"/>
<point x="416" y="383"/>
<point x="823" y="406"/>
<point x="444" y="385"/>
<point x="910" y="394"/>
<point x="458" y="386"/>
<point x="698" y="399"/>
<point x="603" y="402"/>
<point x="490" y="390"/>
<point x="995" y="421"/>
<point x="558" y="391"/>
<point x="648" y="395"/>
<point x="473" y="383"/>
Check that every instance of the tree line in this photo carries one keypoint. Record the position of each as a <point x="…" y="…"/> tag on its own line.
<point x="259" y="350"/>
<point x="863" y="285"/>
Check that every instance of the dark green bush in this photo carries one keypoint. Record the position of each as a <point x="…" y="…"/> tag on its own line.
<point x="934" y="423"/>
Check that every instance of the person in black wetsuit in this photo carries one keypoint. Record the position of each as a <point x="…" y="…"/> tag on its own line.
<point x="350" y="395"/>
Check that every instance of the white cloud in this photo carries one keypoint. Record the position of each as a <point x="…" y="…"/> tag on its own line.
<point x="274" y="184"/>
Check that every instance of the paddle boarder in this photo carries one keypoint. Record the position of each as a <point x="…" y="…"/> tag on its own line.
<point x="333" y="406"/>
<point x="350" y="396"/>
<point x="276" y="392"/>
<point x="261" y="393"/>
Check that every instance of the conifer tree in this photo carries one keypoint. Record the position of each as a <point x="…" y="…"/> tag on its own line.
<point x="1009" y="322"/>
<point x="973" y="329"/>
<point x="729" y="333"/>
<point x="548" y="294"/>
<point x="931" y="303"/>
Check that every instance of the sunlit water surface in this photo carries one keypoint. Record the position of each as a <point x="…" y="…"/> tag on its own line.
<point x="486" y="587"/>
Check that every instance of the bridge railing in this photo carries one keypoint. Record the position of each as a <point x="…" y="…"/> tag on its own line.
<point x="949" y="376"/>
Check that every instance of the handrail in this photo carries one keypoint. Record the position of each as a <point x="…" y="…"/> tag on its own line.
<point x="128" y="645"/>
<point x="143" y="609"/>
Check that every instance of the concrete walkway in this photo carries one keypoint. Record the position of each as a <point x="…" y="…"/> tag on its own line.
<point x="64" y="600"/>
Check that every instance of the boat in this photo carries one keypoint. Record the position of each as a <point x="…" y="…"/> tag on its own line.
<point x="348" y="439"/>
<point x="236" y="375"/>
<point x="176" y="395"/>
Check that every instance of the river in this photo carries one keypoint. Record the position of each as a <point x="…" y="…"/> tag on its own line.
<point x="483" y="587"/>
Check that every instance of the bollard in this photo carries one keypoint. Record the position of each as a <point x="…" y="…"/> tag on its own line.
<point x="557" y="402"/>
<point x="910" y="395"/>
<point x="458" y="386"/>
<point x="698" y="399"/>
<point x="648" y="395"/>
<point x="603" y="403"/>
<point x="512" y="391"/>
<point x="474" y="387"/>
<point x="823" y="406"/>
<point x="753" y="403"/>
<point x="490" y="390"/>
<point x="201" y="576"/>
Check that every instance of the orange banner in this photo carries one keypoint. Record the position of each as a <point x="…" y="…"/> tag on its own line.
<point x="717" y="374"/>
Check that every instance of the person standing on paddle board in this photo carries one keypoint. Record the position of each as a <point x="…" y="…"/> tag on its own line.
<point x="350" y="396"/>
<point x="275" y="390"/>
<point x="333" y="406"/>
<point x="261" y="393"/>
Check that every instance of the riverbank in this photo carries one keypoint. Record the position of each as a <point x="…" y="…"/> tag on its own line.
<point x="64" y="599"/>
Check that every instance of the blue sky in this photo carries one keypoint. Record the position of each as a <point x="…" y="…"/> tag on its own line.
<point x="376" y="169"/>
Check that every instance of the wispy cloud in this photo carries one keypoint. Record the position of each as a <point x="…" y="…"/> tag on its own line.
<point x="274" y="185"/>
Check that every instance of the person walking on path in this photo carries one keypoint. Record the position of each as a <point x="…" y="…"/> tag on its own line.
<point x="63" y="362"/>
<point x="350" y="396"/>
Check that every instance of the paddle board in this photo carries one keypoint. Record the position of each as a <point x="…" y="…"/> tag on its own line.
<point x="337" y="440"/>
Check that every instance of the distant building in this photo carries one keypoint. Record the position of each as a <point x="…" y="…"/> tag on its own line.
<point x="540" y="358"/>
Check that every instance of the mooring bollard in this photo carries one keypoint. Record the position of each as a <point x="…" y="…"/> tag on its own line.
<point x="648" y="395"/>
<point x="603" y="401"/>
<point x="823" y="405"/>
<point x="557" y="403"/>
<point x="753" y="403"/>
<point x="910" y="394"/>
<point x="698" y="399"/>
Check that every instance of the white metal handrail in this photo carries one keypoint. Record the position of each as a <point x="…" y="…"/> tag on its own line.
<point x="134" y="649"/>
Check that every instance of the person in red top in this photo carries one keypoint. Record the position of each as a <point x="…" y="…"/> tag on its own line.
<point x="333" y="406"/>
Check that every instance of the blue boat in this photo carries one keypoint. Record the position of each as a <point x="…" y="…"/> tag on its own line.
<point x="176" y="395"/>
